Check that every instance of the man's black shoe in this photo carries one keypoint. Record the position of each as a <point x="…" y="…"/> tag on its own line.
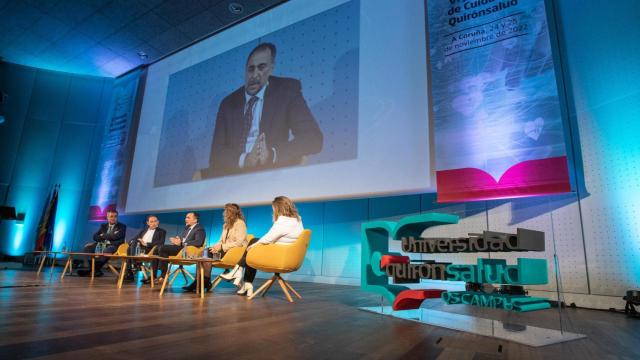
<point x="146" y="281"/>
<point x="83" y="272"/>
<point x="207" y="284"/>
<point x="190" y="288"/>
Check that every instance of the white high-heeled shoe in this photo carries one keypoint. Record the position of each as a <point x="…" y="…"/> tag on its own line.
<point x="247" y="289"/>
<point x="239" y="277"/>
<point x="231" y="274"/>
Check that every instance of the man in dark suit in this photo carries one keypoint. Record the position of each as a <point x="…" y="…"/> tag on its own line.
<point x="146" y="239"/>
<point x="192" y="235"/>
<point x="264" y="124"/>
<point x="110" y="235"/>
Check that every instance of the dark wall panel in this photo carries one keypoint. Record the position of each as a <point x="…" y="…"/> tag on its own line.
<point x="72" y="158"/>
<point x="17" y="82"/>
<point x="86" y="95"/>
<point x="49" y="96"/>
<point x="36" y="153"/>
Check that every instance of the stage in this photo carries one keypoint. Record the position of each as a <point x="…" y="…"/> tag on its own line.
<point x="43" y="317"/>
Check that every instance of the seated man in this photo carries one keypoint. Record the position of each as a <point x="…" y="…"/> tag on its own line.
<point x="193" y="235"/>
<point x="264" y="124"/>
<point x="111" y="235"/>
<point x="147" y="238"/>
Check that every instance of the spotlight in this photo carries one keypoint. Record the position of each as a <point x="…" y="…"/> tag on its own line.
<point x="8" y="213"/>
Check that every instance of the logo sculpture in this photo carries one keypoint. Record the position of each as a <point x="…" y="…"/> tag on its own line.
<point x="378" y="264"/>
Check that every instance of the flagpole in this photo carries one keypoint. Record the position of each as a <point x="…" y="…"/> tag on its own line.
<point x="52" y="219"/>
<point x="50" y="247"/>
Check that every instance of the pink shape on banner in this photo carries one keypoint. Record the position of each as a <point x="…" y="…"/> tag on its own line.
<point x="527" y="178"/>
<point x="99" y="214"/>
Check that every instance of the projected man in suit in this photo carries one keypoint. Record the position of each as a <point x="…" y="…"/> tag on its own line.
<point x="192" y="235"/>
<point x="110" y="235"/>
<point x="146" y="239"/>
<point x="264" y="124"/>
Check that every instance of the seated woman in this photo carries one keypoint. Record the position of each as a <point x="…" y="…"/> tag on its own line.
<point x="286" y="228"/>
<point x="234" y="234"/>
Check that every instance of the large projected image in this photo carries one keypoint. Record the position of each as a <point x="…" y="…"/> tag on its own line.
<point x="288" y="98"/>
<point x="313" y="99"/>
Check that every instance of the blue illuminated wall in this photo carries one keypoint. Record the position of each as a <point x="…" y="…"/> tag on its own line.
<point x="54" y="123"/>
<point x="602" y="68"/>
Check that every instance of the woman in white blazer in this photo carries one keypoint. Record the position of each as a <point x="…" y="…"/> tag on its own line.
<point x="287" y="226"/>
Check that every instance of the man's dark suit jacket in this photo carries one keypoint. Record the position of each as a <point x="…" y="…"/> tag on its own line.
<point x="157" y="239"/>
<point x="196" y="237"/>
<point x="283" y="109"/>
<point x="115" y="238"/>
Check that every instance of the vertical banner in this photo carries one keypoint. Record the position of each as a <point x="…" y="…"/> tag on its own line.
<point x="114" y="152"/>
<point x="496" y="112"/>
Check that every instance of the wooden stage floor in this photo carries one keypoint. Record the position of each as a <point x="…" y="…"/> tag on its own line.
<point x="76" y="319"/>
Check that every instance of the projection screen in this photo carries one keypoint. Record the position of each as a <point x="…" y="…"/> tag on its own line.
<point x="343" y="111"/>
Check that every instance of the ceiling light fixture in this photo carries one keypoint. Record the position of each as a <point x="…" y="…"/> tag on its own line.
<point x="236" y="8"/>
<point x="143" y="55"/>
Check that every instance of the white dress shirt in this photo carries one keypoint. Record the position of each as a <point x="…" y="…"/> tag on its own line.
<point x="147" y="238"/>
<point x="284" y="231"/>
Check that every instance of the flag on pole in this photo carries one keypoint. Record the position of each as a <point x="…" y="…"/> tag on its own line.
<point x="44" y="238"/>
